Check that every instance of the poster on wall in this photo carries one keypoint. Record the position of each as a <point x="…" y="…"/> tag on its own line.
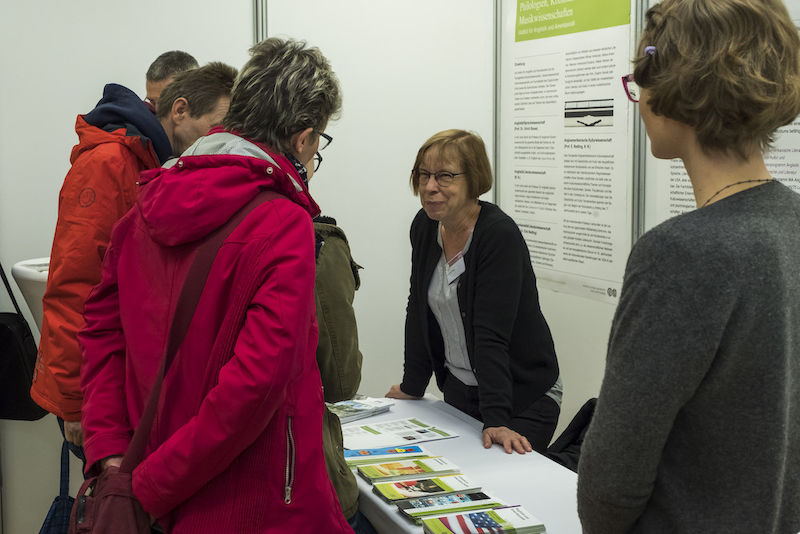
<point x="668" y="191"/>
<point x="565" y="150"/>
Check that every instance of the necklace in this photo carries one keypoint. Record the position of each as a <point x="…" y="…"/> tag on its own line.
<point x="731" y="185"/>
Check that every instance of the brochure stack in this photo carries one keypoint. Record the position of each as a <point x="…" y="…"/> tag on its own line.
<point x="430" y="490"/>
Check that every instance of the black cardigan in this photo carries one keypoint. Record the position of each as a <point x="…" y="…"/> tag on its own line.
<point x="509" y="343"/>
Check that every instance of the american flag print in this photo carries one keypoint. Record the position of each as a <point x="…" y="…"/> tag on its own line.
<point x="476" y="523"/>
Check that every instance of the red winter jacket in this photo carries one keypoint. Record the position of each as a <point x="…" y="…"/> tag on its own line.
<point x="237" y="443"/>
<point x="98" y="190"/>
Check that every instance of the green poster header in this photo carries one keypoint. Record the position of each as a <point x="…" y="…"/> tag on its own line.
<point x="548" y="18"/>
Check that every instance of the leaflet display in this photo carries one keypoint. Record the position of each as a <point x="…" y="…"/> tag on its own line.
<point x="402" y="490"/>
<point x="510" y="519"/>
<point x="396" y="433"/>
<point x="438" y="505"/>
<point x="400" y="469"/>
<point x="359" y="407"/>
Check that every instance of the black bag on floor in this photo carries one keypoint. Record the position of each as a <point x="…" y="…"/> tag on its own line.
<point x="17" y="361"/>
<point x="566" y="450"/>
<point x="57" y="520"/>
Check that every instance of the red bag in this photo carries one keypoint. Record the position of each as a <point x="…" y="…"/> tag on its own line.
<point x="106" y="504"/>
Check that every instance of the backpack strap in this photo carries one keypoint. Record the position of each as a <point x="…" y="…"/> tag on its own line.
<point x="63" y="487"/>
<point x="8" y="288"/>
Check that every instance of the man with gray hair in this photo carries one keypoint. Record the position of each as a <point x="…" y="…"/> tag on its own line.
<point x="163" y="70"/>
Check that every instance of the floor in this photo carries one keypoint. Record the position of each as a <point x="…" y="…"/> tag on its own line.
<point x="30" y="457"/>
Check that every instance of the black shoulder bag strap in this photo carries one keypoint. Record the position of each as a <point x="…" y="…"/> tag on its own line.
<point x="8" y="288"/>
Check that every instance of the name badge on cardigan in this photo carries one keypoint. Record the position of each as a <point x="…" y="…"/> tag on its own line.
<point x="455" y="267"/>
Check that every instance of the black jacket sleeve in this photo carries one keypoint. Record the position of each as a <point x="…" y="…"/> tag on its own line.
<point x="417" y="368"/>
<point x="498" y="283"/>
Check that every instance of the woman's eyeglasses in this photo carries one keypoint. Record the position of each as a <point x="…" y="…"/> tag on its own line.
<point x="443" y="178"/>
<point x="631" y="88"/>
<point x="324" y="141"/>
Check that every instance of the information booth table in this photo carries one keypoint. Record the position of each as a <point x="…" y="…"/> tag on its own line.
<point x="543" y="487"/>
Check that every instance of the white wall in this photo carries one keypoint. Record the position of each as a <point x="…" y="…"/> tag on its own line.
<point x="56" y="57"/>
<point x="407" y="69"/>
<point x="580" y="328"/>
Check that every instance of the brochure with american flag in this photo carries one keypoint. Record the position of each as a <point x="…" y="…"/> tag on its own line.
<point x="498" y="521"/>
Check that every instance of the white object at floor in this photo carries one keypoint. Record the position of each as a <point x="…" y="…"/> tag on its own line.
<point x="31" y="277"/>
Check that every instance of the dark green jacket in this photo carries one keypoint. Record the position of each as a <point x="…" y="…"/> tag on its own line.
<point x="338" y="357"/>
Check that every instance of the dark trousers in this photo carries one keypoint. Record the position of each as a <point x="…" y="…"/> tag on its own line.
<point x="360" y="524"/>
<point x="537" y="422"/>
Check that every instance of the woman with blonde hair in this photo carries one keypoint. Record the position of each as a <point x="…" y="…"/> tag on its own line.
<point x="697" y="425"/>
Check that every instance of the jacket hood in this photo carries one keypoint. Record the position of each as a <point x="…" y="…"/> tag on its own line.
<point x="195" y="194"/>
<point x="122" y="108"/>
<point x="90" y="137"/>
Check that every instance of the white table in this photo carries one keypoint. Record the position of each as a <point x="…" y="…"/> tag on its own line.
<point x="542" y="486"/>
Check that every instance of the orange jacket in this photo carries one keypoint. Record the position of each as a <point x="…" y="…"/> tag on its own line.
<point x="98" y="190"/>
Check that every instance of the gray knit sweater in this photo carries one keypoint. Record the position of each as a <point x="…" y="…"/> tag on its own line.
<point x="697" y="428"/>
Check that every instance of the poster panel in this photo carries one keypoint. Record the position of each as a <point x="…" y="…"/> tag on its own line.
<point x="565" y="149"/>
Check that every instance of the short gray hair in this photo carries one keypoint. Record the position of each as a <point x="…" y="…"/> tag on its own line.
<point x="169" y="64"/>
<point x="284" y="88"/>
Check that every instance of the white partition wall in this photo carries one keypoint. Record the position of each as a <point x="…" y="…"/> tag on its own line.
<point x="407" y="70"/>
<point x="56" y="58"/>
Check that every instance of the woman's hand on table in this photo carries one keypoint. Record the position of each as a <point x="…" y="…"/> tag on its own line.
<point x="396" y="393"/>
<point x="506" y="437"/>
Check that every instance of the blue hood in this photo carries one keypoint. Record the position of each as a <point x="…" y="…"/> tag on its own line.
<point x="122" y="108"/>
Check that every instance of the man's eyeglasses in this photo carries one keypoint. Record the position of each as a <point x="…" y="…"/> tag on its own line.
<point x="324" y="141"/>
<point x="631" y="88"/>
<point x="443" y="178"/>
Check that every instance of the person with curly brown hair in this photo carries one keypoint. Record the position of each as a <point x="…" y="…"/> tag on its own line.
<point x="696" y="427"/>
